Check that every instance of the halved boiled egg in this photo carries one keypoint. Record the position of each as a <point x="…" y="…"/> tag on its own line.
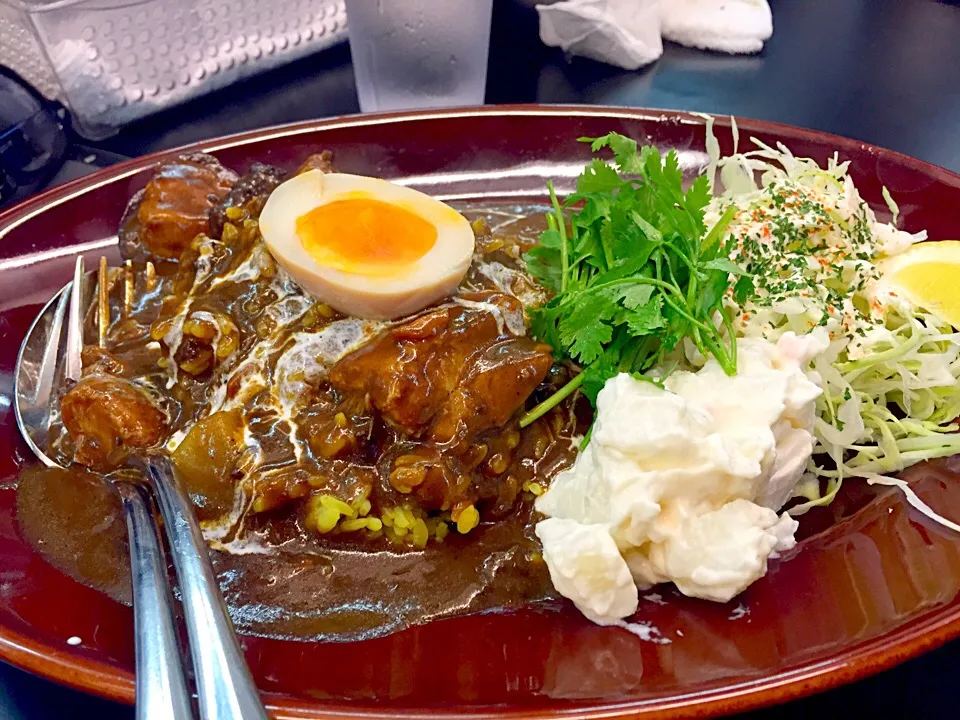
<point x="367" y="247"/>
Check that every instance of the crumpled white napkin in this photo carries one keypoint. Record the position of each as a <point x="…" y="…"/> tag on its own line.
<point x="730" y="26"/>
<point x="620" y="32"/>
<point x="627" y="33"/>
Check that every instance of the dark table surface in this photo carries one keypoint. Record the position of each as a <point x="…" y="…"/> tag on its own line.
<point x="883" y="71"/>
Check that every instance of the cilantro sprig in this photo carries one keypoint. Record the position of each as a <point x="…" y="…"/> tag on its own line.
<point x="632" y="269"/>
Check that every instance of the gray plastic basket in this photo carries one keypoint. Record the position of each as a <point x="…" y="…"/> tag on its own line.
<point x="113" y="61"/>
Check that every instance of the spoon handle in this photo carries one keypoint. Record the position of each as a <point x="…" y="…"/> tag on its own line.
<point x="224" y="684"/>
<point x="162" y="692"/>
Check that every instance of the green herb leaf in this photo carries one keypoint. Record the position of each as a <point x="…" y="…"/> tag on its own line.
<point x="543" y="261"/>
<point x="698" y="196"/>
<point x="598" y="177"/>
<point x="635" y="275"/>
<point x="636" y="296"/>
<point x="725" y="265"/>
<point x="643" y="320"/>
<point x="743" y="289"/>
<point x="624" y="151"/>
<point x="586" y="344"/>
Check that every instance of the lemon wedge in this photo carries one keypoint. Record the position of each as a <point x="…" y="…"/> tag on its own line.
<point x="928" y="276"/>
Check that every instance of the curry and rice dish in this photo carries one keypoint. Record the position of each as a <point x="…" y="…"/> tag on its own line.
<point x="269" y="400"/>
<point x="306" y="437"/>
<point x="385" y="413"/>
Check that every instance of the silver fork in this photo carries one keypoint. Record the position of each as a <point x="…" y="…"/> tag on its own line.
<point x="225" y="688"/>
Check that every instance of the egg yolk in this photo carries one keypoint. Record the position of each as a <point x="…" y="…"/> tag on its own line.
<point x="363" y="234"/>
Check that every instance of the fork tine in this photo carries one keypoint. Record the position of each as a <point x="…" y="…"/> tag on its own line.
<point x="47" y="374"/>
<point x="129" y="286"/>
<point x="72" y="363"/>
<point x="103" y="302"/>
<point x="151" y="276"/>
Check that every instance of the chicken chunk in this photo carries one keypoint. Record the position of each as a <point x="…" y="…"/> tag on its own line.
<point x="455" y="369"/>
<point x="250" y="192"/>
<point x="490" y="388"/>
<point x="107" y="417"/>
<point x="174" y="207"/>
<point x="409" y="370"/>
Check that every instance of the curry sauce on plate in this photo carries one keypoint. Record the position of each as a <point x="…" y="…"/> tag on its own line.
<point x="351" y="476"/>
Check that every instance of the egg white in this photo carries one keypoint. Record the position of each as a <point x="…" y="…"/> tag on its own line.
<point x="407" y="288"/>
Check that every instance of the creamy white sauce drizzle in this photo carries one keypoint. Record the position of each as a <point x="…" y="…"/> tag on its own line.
<point x="204" y="263"/>
<point x="257" y="261"/>
<point x="510" y="281"/>
<point x="512" y="320"/>
<point x="172" y="339"/>
<point x="313" y="353"/>
<point x="214" y="530"/>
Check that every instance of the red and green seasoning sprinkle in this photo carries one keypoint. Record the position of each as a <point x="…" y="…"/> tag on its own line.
<point x="796" y="245"/>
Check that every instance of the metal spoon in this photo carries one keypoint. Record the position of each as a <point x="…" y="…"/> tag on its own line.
<point x="43" y="363"/>
<point x="226" y="690"/>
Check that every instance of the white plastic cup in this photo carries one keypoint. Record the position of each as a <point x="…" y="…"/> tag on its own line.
<point x="419" y="53"/>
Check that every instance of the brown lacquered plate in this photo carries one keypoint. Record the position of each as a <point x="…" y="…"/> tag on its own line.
<point x="871" y="584"/>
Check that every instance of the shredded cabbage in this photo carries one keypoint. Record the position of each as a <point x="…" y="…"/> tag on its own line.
<point x="891" y="396"/>
<point x="912" y="498"/>
<point x="891" y="203"/>
<point x="894" y="406"/>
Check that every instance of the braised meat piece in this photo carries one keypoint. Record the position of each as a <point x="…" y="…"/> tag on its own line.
<point x="454" y="371"/>
<point x="250" y="193"/>
<point x="411" y="369"/>
<point x="174" y="207"/>
<point x="107" y="417"/>
<point x="95" y="359"/>
<point x="495" y="382"/>
<point x="448" y="383"/>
